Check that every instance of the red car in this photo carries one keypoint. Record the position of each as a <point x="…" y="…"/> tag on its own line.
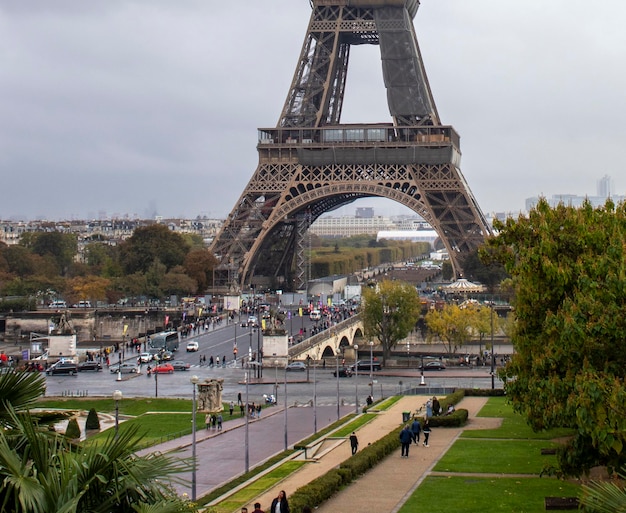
<point x="164" y="368"/>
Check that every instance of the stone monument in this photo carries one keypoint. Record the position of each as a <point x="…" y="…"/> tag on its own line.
<point x="210" y="395"/>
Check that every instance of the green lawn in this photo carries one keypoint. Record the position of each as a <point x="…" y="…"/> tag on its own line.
<point x="480" y="495"/>
<point x="495" y="456"/>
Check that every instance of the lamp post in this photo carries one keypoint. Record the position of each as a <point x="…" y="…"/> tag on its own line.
<point x="194" y="381"/>
<point x="371" y="368"/>
<point x="247" y="439"/>
<point x="117" y="397"/>
<point x="422" y="382"/>
<point x="259" y="356"/>
<point x="493" y="384"/>
<point x="337" y="374"/>
<point x="156" y="375"/>
<point x="356" y="378"/>
<point x="315" y="396"/>
<point x="286" y="442"/>
<point x="276" y="381"/>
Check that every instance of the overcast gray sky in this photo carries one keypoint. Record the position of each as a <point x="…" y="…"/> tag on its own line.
<point x="146" y="107"/>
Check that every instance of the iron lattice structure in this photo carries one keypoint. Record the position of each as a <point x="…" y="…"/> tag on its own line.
<point x="311" y="163"/>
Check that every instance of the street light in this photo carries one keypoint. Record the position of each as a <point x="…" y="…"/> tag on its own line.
<point x="337" y="374"/>
<point x="117" y="397"/>
<point x="156" y="375"/>
<point x="315" y="396"/>
<point x="194" y="381"/>
<point x="356" y="377"/>
<point x="247" y="439"/>
<point x="286" y="443"/>
<point x="493" y="384"/>
<point x="372" y="368"/>
<point x="276" y="381"/>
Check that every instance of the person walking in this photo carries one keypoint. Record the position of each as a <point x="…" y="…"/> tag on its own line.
<point x="231" y="408"/>
<point x="426" y="430"/>
<point x="436" y="407"/>
<point x="207" y="421"/>
<point x="219" y="421"/>
<point x="416" y="427"/>
<point x="429" y="409"/>
<point x="280" y="503"/>
<point x="257" y="508"/>
<point x="405" y="439"/>
<point x="354" y="442"/>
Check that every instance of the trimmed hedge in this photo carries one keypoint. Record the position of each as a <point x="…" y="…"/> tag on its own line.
<point x="93" y="422"/>
<point x="73" y="430"/>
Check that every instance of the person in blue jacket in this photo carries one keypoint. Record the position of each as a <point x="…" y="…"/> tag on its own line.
<point x="405" y="439"/>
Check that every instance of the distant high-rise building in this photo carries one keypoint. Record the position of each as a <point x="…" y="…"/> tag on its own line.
<point x="364" y="213"/>
<point x="605" y="187"/>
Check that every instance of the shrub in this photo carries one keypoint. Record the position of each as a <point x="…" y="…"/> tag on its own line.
<point x="73" y="429"/>
<point x="93" y="422"/>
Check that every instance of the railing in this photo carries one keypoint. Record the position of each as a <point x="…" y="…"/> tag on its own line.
<point x="310" y="342"/>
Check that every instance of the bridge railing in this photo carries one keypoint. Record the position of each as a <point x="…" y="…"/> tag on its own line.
<point x="318" y="338"/>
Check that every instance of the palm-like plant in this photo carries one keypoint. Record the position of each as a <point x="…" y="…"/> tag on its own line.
<point x="41" y="472"/>
<point x="604" y="497"/>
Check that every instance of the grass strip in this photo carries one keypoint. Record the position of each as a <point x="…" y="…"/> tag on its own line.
<point x="478" y="495"/>
<point x="495" y="456"/>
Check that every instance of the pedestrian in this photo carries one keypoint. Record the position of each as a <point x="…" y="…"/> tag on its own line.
<point x="219" y="421"/>
<point x="405" y="439"/>
<point x="416" y="427"/>
<point x="241" y="409"/>
<point x="354" y="442"/>
<point x="258" y="411"/>
<point x="429" y="408"/>
<point x="244" y="510"/>
<point x="211" y="361"/>
<point x="217" y="361"/>
<point x="436" y="406"/>
<point x="239" y="398"/>
<point x="224" y="361"/>
<point x="214" y="421"/>
<point x="426" y="430"/>
<point x="280" y="504"/>
<point x="204" y="359"/>
<point x="231" y="407"/>
<point x="257" y="508"/>
<point x="207" y="421"/>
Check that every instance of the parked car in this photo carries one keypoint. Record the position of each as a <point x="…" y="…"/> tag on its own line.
<point x="63" y="367"/>
<point x="163" y="368"/>
<point x="434" y="365"/>
<point x="192" y="346"/>
<point x="58" y="304"/>
<point x="146" y="357"/>
<point x="125" y="368"/>
<point x="179" y="365"/>
<point x="343" y="373"/>
<point x="366" y="365"/>
<point x="296" y="366"/>
<point x="89" y="365"/>
<point x="82" y="304"/>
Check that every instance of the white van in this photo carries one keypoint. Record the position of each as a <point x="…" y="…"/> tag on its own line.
<point x="315" y="315"/>
<point x="58" y="304"/>
<point x="83" y="304"/>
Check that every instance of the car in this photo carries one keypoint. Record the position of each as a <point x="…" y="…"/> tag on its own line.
<point x="366" y="365"/>
<point x="89" y="365"/>
<point x="192" y="346"/>
<point x="146" y="357"/>
<point x="166" y="356"/>
<point x="434" y="365"/>
<point x="58" y="304"/>
<point x="296" y="366"/>
<point x="252" y="322"/>
<point x="179" y="365"/>
<point x="63" y="367"/>
<point x="163" y="368"/>
<point x="343" y="373"/>
<point x="125" y="368"/>
<point x="82" y="304"/>
<point x="315" y="315"/>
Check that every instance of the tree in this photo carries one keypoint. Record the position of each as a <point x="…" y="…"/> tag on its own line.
<point x="568" y="269"/>
<point x="389" y="313"/>
<point x="150" y="243"/>
<point x="62" y="247"/>
<point x="489" y="274"/>
<point x="452" y="325"/>
<point x="199" y="264"/>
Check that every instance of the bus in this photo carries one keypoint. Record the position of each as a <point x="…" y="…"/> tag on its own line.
<point x="165" y="341"/>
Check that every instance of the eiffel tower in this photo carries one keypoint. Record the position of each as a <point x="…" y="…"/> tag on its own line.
<point x="311" y="163"/>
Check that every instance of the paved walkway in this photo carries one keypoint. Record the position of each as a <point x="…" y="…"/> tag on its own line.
<point x="387" y="486"/>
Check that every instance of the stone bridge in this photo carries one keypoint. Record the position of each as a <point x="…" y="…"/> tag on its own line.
<point x="337" y="340"/>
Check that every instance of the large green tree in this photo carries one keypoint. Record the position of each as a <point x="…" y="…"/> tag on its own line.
<point x="150" y="243"/>
<point x="389" y="312"/>
<point x="451" y="325"/>
<point x="568" y="268"/>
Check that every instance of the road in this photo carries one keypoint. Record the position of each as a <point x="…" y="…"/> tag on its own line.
<point x="320" y="384"/>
